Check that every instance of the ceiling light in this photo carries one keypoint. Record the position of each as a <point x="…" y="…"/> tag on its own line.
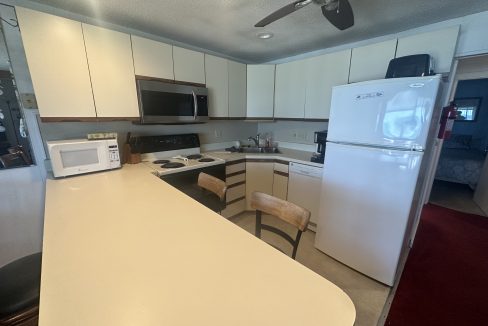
<point x="265" y="35"/>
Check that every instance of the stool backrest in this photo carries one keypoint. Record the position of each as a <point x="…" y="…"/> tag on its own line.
<point x="284" y="210"/>
<point x="212" y="184"/>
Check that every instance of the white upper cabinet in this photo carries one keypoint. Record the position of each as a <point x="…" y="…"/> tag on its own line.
<point x="56" y="57"/>
<point x="112" y="72"/>
<point x="260" y="91"/>
<point x="371" y="61"/>
<point x="439" y="44"/>
<point x="290" y="90"/>
<point x="189" y="65"/>
<point x="323" y="73"/>
<point x="237" y="89"/>
<point x="217" y="77"/>
<point x="152" y="58"/>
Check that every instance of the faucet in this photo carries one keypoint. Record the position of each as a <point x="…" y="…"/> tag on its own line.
<point x="256" y="140"/>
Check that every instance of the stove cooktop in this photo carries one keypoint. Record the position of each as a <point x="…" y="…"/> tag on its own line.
<point x="177" y="163"/>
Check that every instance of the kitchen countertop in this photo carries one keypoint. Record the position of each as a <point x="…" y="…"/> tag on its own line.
<point x="286" y="154"/>
<point x="125" y="248"/>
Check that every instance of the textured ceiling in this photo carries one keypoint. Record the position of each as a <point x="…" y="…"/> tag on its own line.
<point x="227" y="26"/>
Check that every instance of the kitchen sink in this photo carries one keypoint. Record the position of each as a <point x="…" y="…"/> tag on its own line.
<point x="259" y="150"/>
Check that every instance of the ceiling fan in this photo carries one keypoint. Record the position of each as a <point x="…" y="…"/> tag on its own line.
<point x="338" y="12"/>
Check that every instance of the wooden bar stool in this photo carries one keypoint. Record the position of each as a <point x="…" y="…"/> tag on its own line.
<point x="19" y="291"/>
<point x="284" y="210"/>
<point x="216" y="187"/>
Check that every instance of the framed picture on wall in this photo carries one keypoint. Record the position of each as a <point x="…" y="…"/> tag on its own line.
<point x="467" y="108"/>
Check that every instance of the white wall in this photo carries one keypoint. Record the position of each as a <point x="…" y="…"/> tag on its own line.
<point x="299" y="132"/>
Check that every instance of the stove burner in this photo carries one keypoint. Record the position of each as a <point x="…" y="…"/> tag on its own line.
<point x="194" y="156"/>
<point x="206" y="159"/>
<point x="172" y="165"/>
<point x="161" y="161"/>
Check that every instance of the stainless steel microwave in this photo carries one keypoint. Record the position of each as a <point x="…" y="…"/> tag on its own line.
<point x="161" y="102"/>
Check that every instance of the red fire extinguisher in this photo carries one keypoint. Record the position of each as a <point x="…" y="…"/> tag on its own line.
<point x="449" y="114"/>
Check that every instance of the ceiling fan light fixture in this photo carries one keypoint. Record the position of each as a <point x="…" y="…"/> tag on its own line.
<point x="264" y="35"/>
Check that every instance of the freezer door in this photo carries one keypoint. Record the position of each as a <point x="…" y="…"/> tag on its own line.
<point x="365" y="203"/>
<point x="388" y="112"/>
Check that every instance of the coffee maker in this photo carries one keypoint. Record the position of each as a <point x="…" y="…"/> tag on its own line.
<point x="320" y="138"/>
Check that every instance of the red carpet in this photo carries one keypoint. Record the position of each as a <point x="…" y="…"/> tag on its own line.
<point x="445" y="280"/>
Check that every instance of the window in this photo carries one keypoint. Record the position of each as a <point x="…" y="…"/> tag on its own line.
<point x="467" y="108"/>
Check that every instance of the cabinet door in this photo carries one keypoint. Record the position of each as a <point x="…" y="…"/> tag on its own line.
<point x="259" y="177"/>
<point x="237" y="89"/>
<point x="439" y="44"/>
<point x="290" y="90"/>
<point x="152" y="58"/>
<point x="371" y="61"/>
<point x="280" y="186"/>
<point x="260" y="91"/>
<point x="189" y="65"/>
<point x="56" y="57"/>
<point x="323" y="73"/>
<point x="217" y="77"/>
<point x="109" y="56"/>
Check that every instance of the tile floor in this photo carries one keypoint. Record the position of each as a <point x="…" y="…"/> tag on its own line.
<point x="369" y="296"/>
<point x="455" y="196"/>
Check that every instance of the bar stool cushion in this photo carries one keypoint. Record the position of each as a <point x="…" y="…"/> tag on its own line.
<point x="20" y="284"/>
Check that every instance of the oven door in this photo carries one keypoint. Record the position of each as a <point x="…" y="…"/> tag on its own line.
<point x="187" y="182"/>
<point x="161" y="102"/>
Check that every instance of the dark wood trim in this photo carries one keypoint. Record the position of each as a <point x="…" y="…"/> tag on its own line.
<point x="236" y="184"/>
<point x="264" y="160"/>
<point x="235" y="173"/>
<point x="235" y="200"/>
<point x="282" y="162"/>
<point x="170" y="81"/>
<point x="87" y="119"/>
<point x="281" y="173"/>
<point x="241" y="160"/>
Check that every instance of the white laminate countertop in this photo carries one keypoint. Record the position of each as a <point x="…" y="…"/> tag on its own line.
<point x="125" y="248"/>
<point x="286" y="154"/>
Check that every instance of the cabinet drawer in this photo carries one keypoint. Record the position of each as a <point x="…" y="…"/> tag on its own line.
<point x="235" y="179"/>
<point x="235" y="192"/>
<point x="234" y="208"/>
<point x="235" y="168"/>
<point x="281" y="167"/>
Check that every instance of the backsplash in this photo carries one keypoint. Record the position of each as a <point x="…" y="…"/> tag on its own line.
<point x="292" y="131"/>
<point x="210" y="132"/>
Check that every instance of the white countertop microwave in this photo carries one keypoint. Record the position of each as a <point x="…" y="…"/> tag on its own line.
<point x="78" y="156"/>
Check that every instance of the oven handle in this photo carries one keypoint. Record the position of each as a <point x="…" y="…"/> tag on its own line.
<point x="195" y="105"/>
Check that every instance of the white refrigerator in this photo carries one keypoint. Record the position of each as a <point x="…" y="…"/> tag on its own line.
<point x="375" y="144"/>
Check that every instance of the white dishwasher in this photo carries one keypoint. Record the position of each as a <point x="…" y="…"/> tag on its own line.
<point x="304" y="186"/>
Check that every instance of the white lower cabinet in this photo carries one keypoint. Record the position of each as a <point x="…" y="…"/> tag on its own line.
<point x="280" y="180"/>
<point x="259" y="177"/>
<point x="236" y="188"/>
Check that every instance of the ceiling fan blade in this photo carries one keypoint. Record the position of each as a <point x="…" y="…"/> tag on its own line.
<point x="282" y="12"/>
<point x="341" y="17"/>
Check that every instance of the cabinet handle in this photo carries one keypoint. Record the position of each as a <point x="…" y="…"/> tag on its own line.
<point x="195" y="105"/>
